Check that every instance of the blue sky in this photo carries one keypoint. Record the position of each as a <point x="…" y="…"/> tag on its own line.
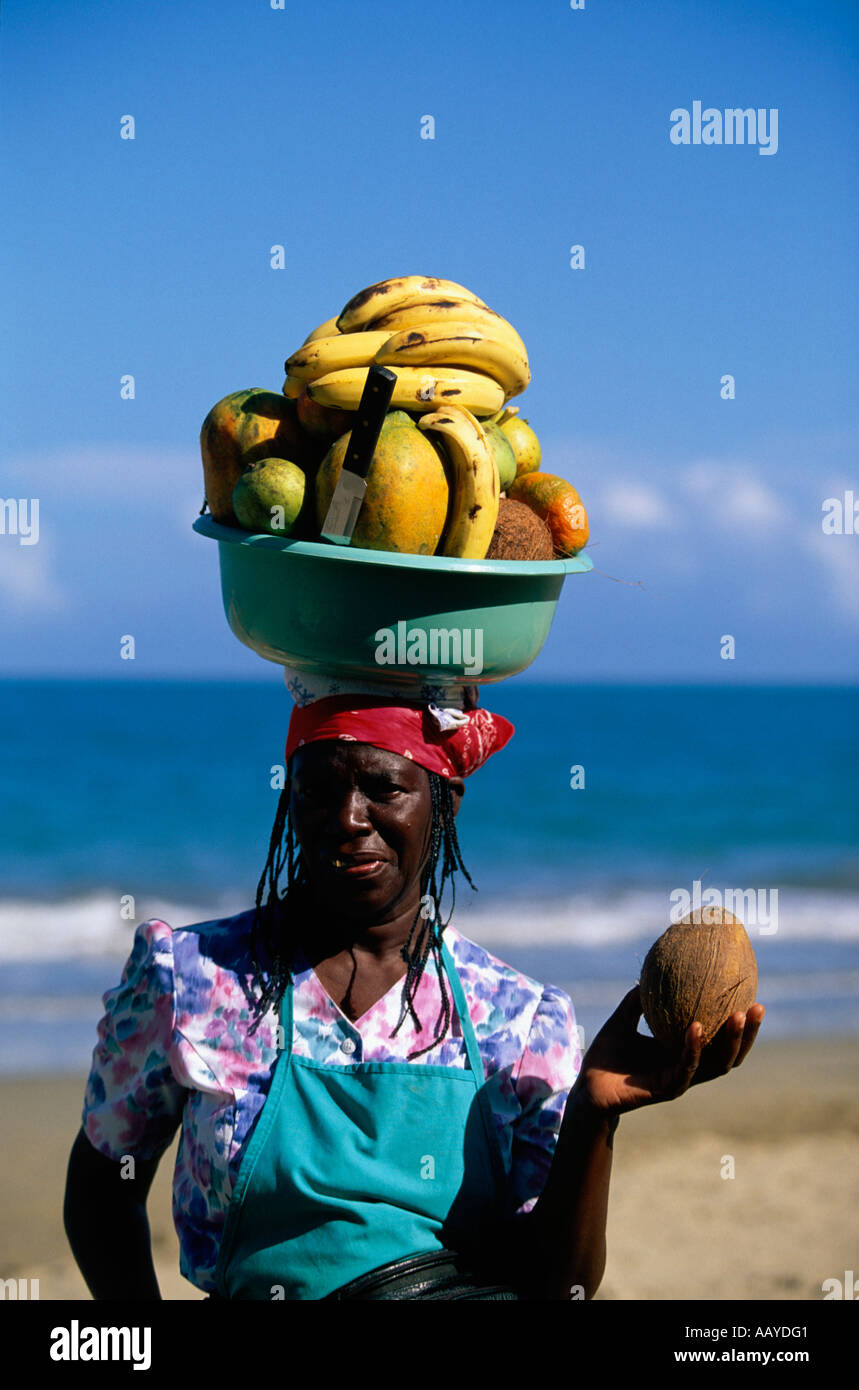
<point x="301" y="127"/>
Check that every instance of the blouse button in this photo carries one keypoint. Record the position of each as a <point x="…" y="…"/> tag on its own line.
<point x="348" y="1046"/>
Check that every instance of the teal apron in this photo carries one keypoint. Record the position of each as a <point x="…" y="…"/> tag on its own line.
<point x="352" y="1167"/>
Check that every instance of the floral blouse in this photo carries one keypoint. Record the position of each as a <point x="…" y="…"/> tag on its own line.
<point x="173" y="1049"/>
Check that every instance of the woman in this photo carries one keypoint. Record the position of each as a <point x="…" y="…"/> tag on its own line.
<point x="370" y="1103"/>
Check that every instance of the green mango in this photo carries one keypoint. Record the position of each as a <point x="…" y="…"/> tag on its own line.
<point x="524" y="443"/>
<point x="269" y="496"/>
<point x="502" y="452"/>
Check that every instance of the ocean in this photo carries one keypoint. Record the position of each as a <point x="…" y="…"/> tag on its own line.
<point x="123" y="800"/>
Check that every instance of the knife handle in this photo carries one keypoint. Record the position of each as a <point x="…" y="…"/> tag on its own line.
<point x="369" y="417"/>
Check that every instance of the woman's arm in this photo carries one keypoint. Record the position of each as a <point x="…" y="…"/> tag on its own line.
<point x="560" y="1246"/>
<point x="106" y="1223"/>
<point x="561" y="1243"/>
<point x="133" y="1105"/>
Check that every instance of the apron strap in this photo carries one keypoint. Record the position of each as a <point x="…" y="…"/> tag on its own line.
<point x="285" y="1019"/>
<point x="472" y="1050"/>
<point x="475" y="1061"/>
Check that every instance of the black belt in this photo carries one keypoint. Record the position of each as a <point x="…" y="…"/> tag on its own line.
<point x="439" y="1275"/>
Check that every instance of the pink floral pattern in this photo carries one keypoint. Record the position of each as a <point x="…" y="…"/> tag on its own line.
<point x="174" y="1051"/>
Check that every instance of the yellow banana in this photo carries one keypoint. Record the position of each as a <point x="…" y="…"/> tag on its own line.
<point x="292" y="387"/>
<point x="417" y="389"/>
<point x="389" y="294"/>
<point x="325" y="330"/>
<point x="459" y="344"/>
<point x="442" y="310"/>
<point x="475" y="492"/>
<point x="332" y="354"/>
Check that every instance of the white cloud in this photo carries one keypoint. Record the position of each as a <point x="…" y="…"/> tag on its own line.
<point x="133" y="474"/>
<point x="838" y="558"/>
<point x="734" y="496"/>
<point x="26" y="583"/>
<point x="636" y="504"/>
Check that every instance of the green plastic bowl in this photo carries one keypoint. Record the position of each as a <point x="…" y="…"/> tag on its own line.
<point x="321" y="608"/>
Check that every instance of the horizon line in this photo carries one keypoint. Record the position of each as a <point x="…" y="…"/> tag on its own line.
<point x="786" y="682"/>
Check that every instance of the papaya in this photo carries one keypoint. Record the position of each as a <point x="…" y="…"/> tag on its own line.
<point x="405" y="505"/>
<point x="558" y="504"/>
<point x="241" y="429"/>
<point x="320" y="420"/>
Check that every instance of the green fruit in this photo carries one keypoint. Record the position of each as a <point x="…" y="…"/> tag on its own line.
<point x="269" y="496"/>
<point x="239" y="430"/>
<point x="525" y="445"/>
<point x="502" y="451"/>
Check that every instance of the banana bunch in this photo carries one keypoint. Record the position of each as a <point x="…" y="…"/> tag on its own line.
<point x="475" y="493"/>
<point x="446" y="346"/>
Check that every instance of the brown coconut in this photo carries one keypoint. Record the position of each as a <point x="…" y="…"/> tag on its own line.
<point x="519" y="534"/>
<point x="703" y="969"/>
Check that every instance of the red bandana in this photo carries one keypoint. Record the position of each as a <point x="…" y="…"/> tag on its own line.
<point x="410" y="730"/>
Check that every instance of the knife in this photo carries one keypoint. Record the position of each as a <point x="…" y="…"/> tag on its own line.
<point x="348" y="498"/>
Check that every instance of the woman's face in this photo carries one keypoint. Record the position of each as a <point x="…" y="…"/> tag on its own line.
<point x="362" y="819"/>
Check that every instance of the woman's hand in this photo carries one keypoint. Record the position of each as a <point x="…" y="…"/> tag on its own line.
<point x="563" y="1240"/>
<point x="623" y="1070"/>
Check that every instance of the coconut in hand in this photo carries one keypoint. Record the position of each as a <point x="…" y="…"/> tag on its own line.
<point x="702" y="968"/>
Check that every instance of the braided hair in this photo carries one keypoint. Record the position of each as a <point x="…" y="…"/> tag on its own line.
<point x="275" y="925"/>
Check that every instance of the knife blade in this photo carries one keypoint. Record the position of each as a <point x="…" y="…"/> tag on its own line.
<point x="342" y="515"/>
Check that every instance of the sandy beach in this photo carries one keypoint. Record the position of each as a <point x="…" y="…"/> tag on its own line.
<point x="788" y="1119"/>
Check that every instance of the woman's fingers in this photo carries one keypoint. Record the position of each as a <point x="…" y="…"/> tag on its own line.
<point x="734" y="1029"/>
<point x="754" y="1019"/>
<point x="691" y="1057"/>
<point x="731" y="1044"/>
<point x="641" y="1070"/>
<point x="673" y="1080"/>
<point x="723" y="1049"/>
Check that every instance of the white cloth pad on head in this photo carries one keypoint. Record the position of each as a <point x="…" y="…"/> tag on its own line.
<point x="305" y="687"/>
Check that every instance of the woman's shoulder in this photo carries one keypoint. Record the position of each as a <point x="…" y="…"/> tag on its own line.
<point x="223" y="940"/>
<point x="218" y="930"/>
<point x="490" y="977"/>
<point x="193" y="960"/>
<point x="524" y="1024"/>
